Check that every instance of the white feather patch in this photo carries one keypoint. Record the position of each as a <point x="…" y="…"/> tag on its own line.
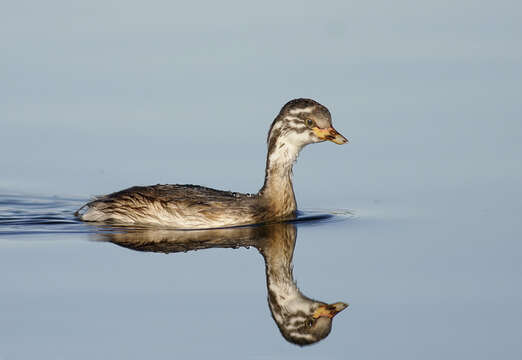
<point x="305" y="110"/>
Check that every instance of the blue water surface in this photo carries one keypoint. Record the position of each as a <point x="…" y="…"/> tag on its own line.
<point x="423" y="229"/>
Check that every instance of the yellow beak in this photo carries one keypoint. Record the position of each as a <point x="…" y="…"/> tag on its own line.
<point x="329" y="311"/>
<point x="330" y="134"/>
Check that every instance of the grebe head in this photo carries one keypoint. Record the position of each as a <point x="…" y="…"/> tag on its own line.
<point x="303" y="321"/>
<point x="301" y="122"/>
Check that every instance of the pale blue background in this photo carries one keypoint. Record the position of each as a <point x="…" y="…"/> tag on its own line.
<point x="100" y="95"/>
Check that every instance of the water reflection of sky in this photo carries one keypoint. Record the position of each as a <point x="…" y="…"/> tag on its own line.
<point x="96" y="98"/>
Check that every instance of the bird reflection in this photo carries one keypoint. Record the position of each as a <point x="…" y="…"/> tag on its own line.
<point x="301" y="320"/>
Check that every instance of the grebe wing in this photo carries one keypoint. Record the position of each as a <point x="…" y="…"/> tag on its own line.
<point x="177" y="193"/>
<point x="184" y="206"/>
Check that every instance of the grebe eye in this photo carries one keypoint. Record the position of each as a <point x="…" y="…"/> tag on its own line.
<point x="310" y="323"/>
<point x="309" y="122"/>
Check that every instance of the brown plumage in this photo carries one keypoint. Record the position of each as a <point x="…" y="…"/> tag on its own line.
<point x="299" y="123"/>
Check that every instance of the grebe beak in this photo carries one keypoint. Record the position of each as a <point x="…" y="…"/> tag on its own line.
<point x="330" y="134"/>
<point x="329" y="311"/>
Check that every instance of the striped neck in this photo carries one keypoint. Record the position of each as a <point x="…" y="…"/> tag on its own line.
<point x="278" y="189"/>
<point x="278" y="252"/>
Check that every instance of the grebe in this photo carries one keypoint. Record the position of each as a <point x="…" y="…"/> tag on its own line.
<point x="300" y="319"/>
<point x="299" y="123"/>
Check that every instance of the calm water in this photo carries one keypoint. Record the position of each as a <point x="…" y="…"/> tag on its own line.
<point x="426" y="248"/>
<point x="422" y="285"/>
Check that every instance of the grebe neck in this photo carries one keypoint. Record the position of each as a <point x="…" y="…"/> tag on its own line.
<point x="278" y="253"/>
<point x="277" y="189"/>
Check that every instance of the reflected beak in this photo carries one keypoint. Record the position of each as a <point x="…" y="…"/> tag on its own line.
<point x="330" y="134"/>
<point x="329" y="311"/>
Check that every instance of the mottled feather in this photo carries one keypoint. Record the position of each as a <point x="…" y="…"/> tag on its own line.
<point x="197" y="207"/>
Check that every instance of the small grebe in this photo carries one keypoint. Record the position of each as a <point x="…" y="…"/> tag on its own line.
<point x="300" y="122"/>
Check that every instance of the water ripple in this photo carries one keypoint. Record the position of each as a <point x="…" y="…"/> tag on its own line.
<point x="22" y="214"/>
